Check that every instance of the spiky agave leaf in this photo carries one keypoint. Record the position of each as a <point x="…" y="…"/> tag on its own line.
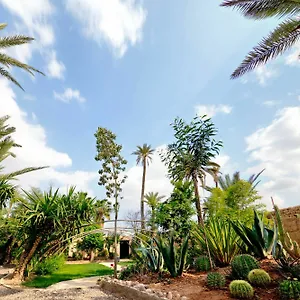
<point x="261" y="9"/>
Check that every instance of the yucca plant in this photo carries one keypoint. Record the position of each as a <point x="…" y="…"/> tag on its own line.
<point x="222" y="240"/>
<point x="260" y="240"/>
<point x="174" y="256"/>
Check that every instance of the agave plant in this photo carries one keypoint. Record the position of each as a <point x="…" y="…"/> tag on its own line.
<point x="222" y="240"/>
<point x="260" y="240"/>
<point x="174" y="256"/>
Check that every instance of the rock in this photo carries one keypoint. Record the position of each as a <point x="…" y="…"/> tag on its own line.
<point x="183" y="298"/>
<point x="169" y="295"/>
<point x="176" y="296"/>
<point x="140" y="287"/>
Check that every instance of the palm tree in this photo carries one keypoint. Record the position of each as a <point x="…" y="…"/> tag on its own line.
<point x="279" y="40"/>
<point x="144" y="156"/>
<point x="6" y="146"/>
<point x="7" y="61"/>
<point x="102" y="211"/>
<point x="153" y="199"/>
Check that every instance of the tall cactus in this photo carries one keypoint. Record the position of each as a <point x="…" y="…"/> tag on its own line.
<point x="290" y="246"/>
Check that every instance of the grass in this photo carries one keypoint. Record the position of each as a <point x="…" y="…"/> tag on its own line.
<point x="68" y="272"/>
<point x="125" y="263"/>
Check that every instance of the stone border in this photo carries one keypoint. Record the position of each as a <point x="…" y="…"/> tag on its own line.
<point x="134" y="290"/>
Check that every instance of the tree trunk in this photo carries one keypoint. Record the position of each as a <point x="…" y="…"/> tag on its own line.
<point x="143" y="194"/>
<point x="8" y="249"/>
<point x="24" y="261"/>
<point x="92" y="256"/>
<point x="199" y="214"/>
<point x="116" y="240"/>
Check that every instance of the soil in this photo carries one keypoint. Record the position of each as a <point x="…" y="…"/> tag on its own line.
<point x="193" y="284"/>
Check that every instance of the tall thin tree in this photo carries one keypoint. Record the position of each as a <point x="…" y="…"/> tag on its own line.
<point x="111" y="173"/>
<point x="144" y="156"/>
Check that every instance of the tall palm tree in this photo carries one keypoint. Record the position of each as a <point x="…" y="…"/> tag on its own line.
<point x="144" y="156"/>
<point x="7" y="61"/>
<point x="279" y="40"/>
<point x="153" y="199"/>
<point x="6" y="146"/>
<point x="102" y="211"/>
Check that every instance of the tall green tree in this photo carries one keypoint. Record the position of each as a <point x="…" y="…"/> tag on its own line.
<point x="190" y="156"/>
<point x="7" y="61"/>
<point x="153" y="200"/>
<point x="177" y="211"/>
<point x="279" y="40"/>
<point x="144" y="156"/>
<point x="111" y="172"/>
<point x="102" y="211"/>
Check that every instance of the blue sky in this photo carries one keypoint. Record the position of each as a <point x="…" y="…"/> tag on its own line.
<point x="133" y="66"/>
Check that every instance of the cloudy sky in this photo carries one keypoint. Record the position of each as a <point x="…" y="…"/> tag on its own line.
<point x="133" y="66"/>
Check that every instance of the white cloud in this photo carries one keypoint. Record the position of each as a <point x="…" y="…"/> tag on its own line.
<point x="68" y="95"/>
<point x="276" y="147"/>
<point x="55" y="68"/>
<point x="292" y="59"/>
<point x="212" y="110"/>
<point x="119" y="23"/>
<point x="35" y="150"/>
<point x="270" y="103"/>
<point x="264" y="73"/>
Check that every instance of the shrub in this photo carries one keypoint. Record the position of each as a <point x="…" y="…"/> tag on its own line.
<point x="241" y="289"/>
<point x="104" y="253"/>
<point x="241" y="265"/>
<point x="215" y="280"/>
<point x="130" y="270"/>
<point x="290" y="289"/>
<point x="50" y="265"/>
<point x="295" y="270"/>
<point x="202" y="263"/>
<point x="259" y="277"/>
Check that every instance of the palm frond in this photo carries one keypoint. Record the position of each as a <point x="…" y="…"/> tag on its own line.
<point x="20" y="172"/>
<point x="10" y="41"/>
<point x="7" y="75"/>
<point x="280" y="40"/>
<point x="2" y="25"/>
<point x="261" y="9"/>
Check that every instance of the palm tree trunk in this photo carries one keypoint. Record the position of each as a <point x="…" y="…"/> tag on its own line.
<point x="92" y="256"/>
<point x="199" y="214"/>
<point x="19" y="272"/>
<point x="153" y="220"/>
<point x="9" y="246"/>
<point x="142" y="195"/>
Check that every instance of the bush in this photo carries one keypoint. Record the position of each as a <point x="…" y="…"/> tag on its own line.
<point x="130" y="270"/>
<point x="202" y="263"/>
<point x="241" y="265"/>
<point x="290" y="289"/>
<point x="241" y="289"/>
<point x="50" y="265"/>
<point x="259" y="277"/>
<point x="104" y="253"/>
<point x="215" y="280"/>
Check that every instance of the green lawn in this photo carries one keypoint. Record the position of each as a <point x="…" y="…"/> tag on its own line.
<point x="125" y="263"/>
<point x="68" y="272"/>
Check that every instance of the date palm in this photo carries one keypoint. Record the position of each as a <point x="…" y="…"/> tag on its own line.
<point x="102" y="211"/>
<point x="7" y="61"/>
<point x="279" y="40"/>
<point x="153" y="199"/>
<point x="144" y="156"/>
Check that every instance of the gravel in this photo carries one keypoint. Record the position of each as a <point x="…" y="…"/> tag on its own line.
<point x="93" y="293"/>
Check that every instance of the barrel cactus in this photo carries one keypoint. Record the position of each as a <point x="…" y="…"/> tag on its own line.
<point x="202" y="263"/>
<point x="259" y="277"/>
<point x="290" y="289"/>
<point x="242" y="264"/>
<point x="215" y="280"/>
<point x="241" y="289"/>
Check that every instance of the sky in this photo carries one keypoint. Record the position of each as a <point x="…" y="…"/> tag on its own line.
<point x="133" y="66"/>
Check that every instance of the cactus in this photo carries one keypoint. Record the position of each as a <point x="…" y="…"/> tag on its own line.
<point x="215" y="280"/>
<point x="291" y="247"/>
<point x="290" y="289"/>
<point x="241" y="265"/>
<point x="202" y="263"/>
<point x="259" y="277"/>
<point x="241" y="289"/>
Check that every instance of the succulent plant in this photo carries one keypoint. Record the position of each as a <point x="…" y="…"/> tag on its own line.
<point x="241" y="289"/>
<point x="242" y="264"/>
<point x="215" y="280"/>
<point x="202" y="263"/>
<point x="290" y="289"/>
<point x="259" y="277"/>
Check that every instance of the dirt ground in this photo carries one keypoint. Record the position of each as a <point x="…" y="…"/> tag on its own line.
<point x="193" y="285"/>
